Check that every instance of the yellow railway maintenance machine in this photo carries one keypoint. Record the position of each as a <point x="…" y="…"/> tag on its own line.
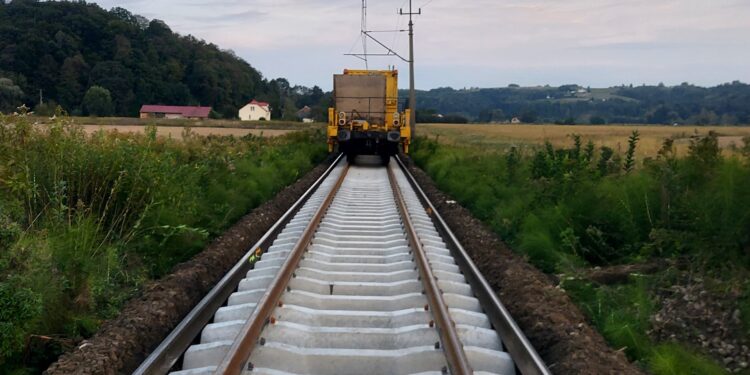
<point x="366" y="119"/>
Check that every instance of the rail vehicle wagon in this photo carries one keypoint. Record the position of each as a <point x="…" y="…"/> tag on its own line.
<point x="366" y="119"/>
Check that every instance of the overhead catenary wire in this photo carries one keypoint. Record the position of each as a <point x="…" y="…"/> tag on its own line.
<point x="366" y="34"/>
<point x="363" y="33"/>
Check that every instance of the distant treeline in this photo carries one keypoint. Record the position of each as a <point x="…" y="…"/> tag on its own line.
<point x="727" y="104"/>
<point x="92" y="61"/>
<point x="66" y="48"/>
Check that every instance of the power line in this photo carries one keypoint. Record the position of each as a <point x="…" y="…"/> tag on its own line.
<point x="364" y="29"/>
<point x="412" y="91"/>
<point x="366" y="34"/>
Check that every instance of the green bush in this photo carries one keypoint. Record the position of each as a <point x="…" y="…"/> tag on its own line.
<point x="85" y="220"/>
<point x="19" y="307"/>
<point x="98" y="102"/>
<point x="611" y="214"/>
<point x="569" y="208"/>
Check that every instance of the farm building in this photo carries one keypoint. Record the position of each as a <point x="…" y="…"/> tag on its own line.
<point x="172" y="112"/>
<point x="305" y="114"/>
<point x="255" y="111"/>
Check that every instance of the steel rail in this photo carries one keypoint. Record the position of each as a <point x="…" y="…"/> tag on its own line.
<point x="161" y="360"/>
<point x="523" y="353"/>
<point x="452" y="347"/>
<point x="248" y="336"/>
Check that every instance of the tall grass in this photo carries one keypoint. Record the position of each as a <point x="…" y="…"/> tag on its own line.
<point x="567" y="209"/>
<point x="86" y="220"/>
<point x="563" y="204"/>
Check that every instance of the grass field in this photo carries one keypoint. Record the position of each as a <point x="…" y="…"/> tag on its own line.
<point x="175" y="128"/>
<point x="175" y="132"/>
<point x="614" y="136"/>
<point x="181" y="123"/>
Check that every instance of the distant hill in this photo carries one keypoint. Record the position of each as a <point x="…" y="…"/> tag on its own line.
<point x="727" y="104"/>
<point x="64" y="48"/>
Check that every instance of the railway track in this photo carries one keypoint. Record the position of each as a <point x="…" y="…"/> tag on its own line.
<point x="360" y="276"/>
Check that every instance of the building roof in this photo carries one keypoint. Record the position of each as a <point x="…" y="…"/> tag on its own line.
<point x="304" y="112"/>
<point x="260" y="104"/>
<point x="186" y="111"/>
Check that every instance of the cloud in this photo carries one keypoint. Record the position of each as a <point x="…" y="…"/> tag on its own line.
<point x="481" y="42"/>
<point x="232" y="17"/>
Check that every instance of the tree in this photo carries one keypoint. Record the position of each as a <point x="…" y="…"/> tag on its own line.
<point x="73" y="73"/>
<point x="289" y="112"/>
<point x="97" y="101"/>
<point x="528" y="117"/>
<point x="118" y="80"/>
<point x="10" y="95"/>
<point x="597" y="120"/>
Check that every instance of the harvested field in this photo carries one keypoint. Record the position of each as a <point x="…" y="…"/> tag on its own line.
<point x="176" y="132"/>
<point x="180" y="123"/>
<point x="614" y="136"/>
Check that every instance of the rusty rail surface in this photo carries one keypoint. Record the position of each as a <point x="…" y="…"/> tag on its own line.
<point x="428" y="255"/>
<point x="174" y="345"/>
<point x="454" y="352"/>
<point x="526" y="358"/>
<point x="239" y="352"/>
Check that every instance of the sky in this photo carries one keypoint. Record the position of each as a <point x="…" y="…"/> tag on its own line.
<point x="478" y="43"/>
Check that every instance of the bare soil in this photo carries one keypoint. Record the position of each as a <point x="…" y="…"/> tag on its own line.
<point x="622" y="273"/>
<point x="551" y="321"/>
<point x="124" y="342"/>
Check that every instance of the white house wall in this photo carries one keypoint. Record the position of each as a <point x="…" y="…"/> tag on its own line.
<point x="252" y="112"/>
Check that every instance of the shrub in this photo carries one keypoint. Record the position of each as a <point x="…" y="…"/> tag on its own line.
<point x="98" y="102"/>
<point x="564" y="211"/>
<point x="615" y="217"/>
<point x="86" y="233"/>
<point x="630" y="154"/>
<point x="19" y="307"/>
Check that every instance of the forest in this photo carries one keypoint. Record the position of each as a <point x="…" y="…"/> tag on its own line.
<point x="726" y="104"/>
<point x="55" y="53"/>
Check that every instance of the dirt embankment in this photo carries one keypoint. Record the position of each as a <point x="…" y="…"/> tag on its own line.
<point x="553" y="324"/>
<point x="122" y="343"/>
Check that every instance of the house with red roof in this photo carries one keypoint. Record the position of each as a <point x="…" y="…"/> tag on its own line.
<point x="255" y="111"/>
<point x="172" y="111"/>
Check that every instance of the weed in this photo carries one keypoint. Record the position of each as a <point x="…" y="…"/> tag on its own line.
<point x="565" y="210"/>
<point x="86" y="220"/>
<point x="673" y="359"/>
<point x="630" y="154"/>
